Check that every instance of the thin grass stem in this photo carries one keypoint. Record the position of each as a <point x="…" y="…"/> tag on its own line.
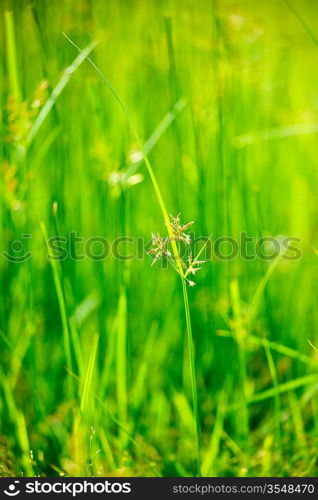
<point x="175" y="252"/>
<point x="193" y="376"/>
<point x="144" y="154"/>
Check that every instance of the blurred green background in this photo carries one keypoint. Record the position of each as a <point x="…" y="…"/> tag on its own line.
<point x="94" y="376"/>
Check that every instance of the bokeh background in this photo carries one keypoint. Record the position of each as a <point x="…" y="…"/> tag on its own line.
<point x="94" y="376"/>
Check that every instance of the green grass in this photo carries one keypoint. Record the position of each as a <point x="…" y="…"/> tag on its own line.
<point x="114" y="367"/>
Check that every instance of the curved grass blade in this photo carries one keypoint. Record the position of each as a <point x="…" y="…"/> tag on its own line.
<point x="61" y="302"/>
<point x="156" y="135"/>
<point x="279" y="389"/>
<point x="144" y="154"/>
<point x="67" y="73"/>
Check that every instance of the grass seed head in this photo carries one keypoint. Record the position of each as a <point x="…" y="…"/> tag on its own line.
<point x="160" y="248"/>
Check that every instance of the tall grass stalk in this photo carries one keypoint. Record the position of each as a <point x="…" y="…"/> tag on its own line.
<point x="175" y="252"/>
<point x="193" y="375"/>
<point x="12" y="56"/>
<point x="62" y="306"/>
<point x="143" y="152"/>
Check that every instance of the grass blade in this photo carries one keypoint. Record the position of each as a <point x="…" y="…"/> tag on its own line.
<point x="58" y="89"/>
<point x="12" y="56"/>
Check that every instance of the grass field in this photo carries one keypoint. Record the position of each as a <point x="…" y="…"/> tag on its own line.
<point x="112" y="366"/>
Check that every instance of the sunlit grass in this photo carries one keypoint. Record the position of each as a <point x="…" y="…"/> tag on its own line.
<point x="114" y="367"/>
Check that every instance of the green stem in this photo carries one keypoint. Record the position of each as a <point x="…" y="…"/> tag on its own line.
<point x="62" y="306"/>
<point x="179" y="268"/>
<point x="12" y="57"/>
<point x="144" y="154"/>
<point x="193" y="376"/>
